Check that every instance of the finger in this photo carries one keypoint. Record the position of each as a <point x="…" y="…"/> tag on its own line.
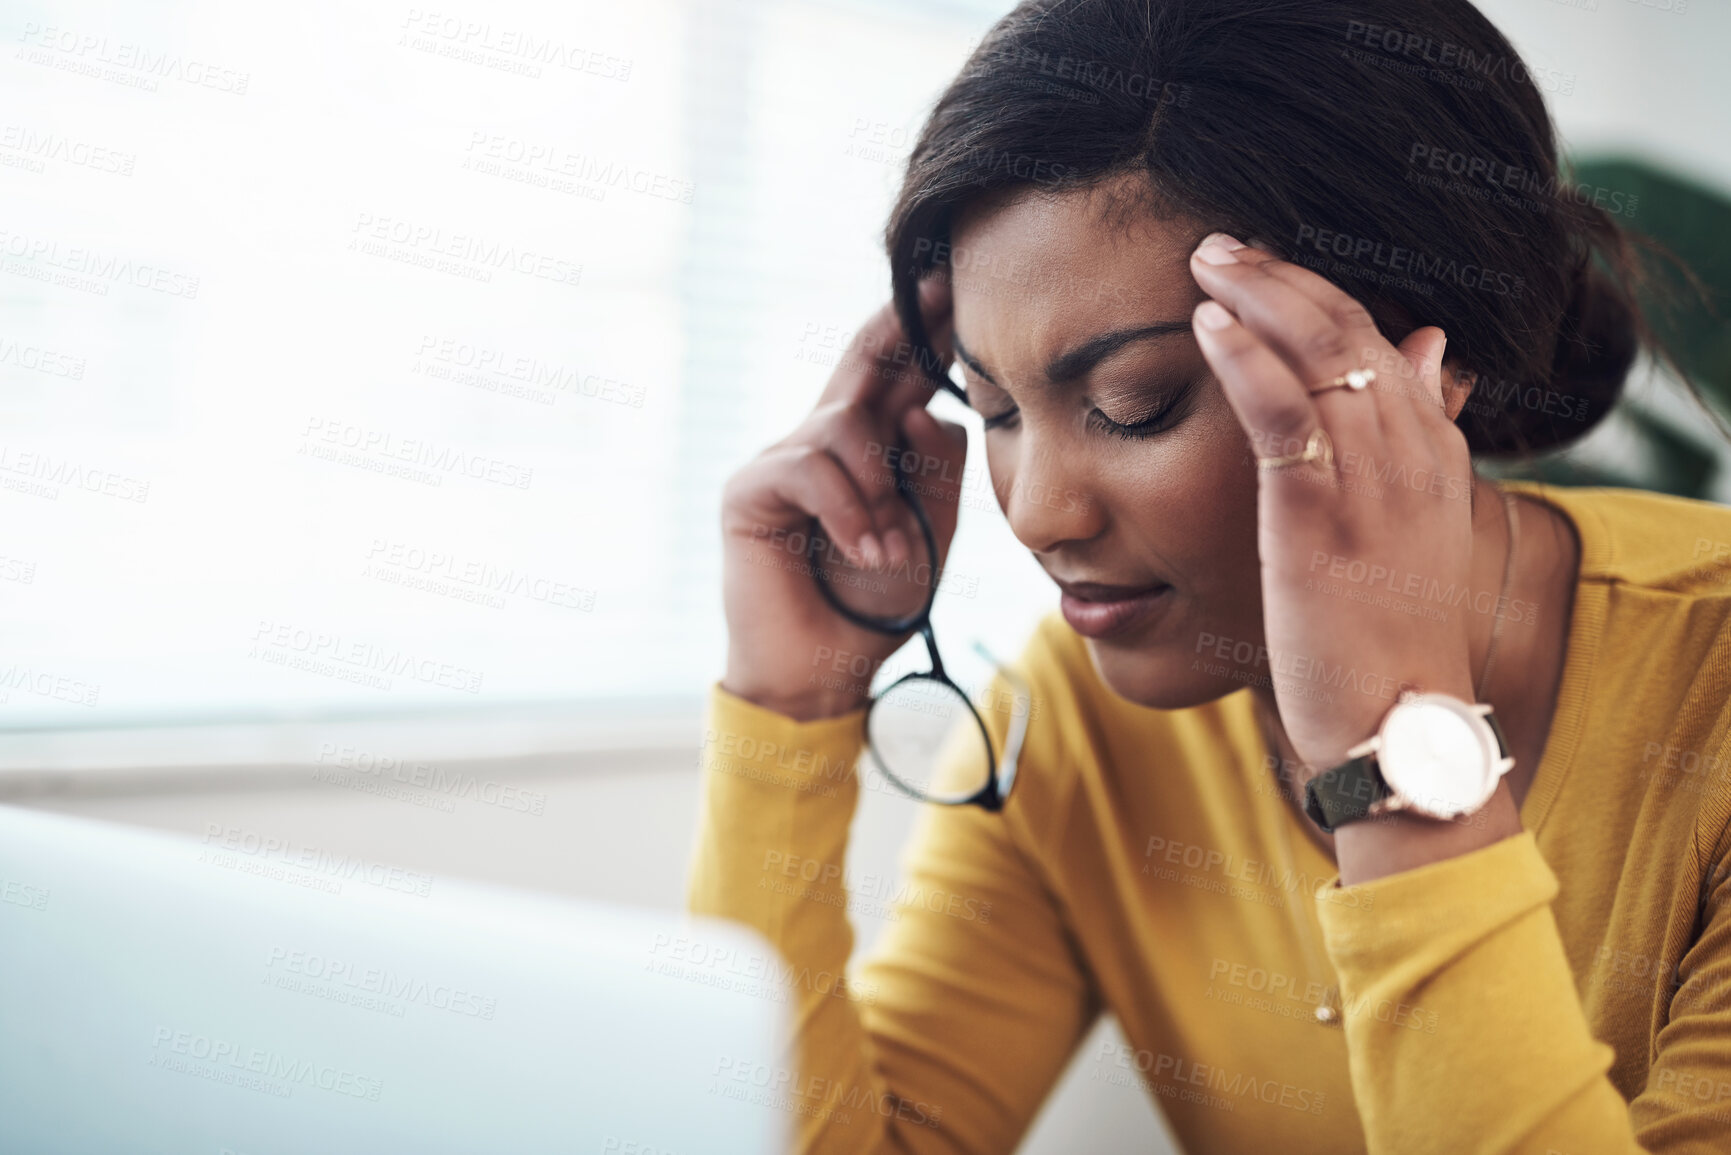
<point x="1328" y="296"/>
<point x="1321" y="329"/>
<point x="936" y="309"/>
<point x="859" y="438"/>
<point x="1401" y="372"/>
<point x="906" y="394"/>
<point x="1271" y="403"/>
<point x="1317" y="344"/>
<point x="1408" y="384"/>
<point x="877" y="467"/>
<point x="880" y="357"/>
<point x="807" y="481"/>
<point x="857" y="379"/>
<point x="873" y="451"/>
<point x="1411" y="386"/>
<point x="941" y="450"/>
<point x="915" y="388"/>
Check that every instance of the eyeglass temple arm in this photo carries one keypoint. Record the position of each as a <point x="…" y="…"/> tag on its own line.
<point x="932" y="649"/>
<point x="1018" y="720"/>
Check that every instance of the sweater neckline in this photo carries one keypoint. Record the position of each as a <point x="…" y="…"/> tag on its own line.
<point x="1581" y="653"/>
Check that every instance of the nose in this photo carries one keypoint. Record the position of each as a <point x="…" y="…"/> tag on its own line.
<point x="1045" y="498"/>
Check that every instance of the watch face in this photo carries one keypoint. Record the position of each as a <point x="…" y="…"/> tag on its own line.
<point x="1433" y="755"/>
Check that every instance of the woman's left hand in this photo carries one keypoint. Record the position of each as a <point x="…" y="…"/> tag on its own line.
<point x="1389" y="521"/>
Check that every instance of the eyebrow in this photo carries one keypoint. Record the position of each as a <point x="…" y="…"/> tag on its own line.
<point x="1077" y="362"/>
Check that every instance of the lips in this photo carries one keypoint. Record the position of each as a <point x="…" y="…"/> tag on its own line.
<point x="1099" y="609"/>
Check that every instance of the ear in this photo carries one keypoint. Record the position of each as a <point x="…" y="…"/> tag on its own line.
<point x="1448" y="383"/>
<point x="1457" y="387"/>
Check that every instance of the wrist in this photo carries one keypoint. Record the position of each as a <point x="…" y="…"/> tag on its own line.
<point x="1366" y="851"/>
<point x="1435" y="757"/>
<point x="802" y="706"/>
<point x="1362" y="718"/>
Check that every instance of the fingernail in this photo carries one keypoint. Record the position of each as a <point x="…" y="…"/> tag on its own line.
<point x="871" y="549"/>
<point x="1212" y="315"/>
<point x="1217" y="249"/>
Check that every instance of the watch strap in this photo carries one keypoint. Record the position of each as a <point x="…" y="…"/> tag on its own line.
<point x="1345" y="793"/>
<point x="1490" y="717"/>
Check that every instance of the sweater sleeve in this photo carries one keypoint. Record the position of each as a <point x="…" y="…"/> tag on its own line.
<point x="952" y="1033"/>
<point x="1512" y="1065"/>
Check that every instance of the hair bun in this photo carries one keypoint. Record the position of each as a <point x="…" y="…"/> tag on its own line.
<point x="1597" y="340"/>
<point x="1596" y="344"/>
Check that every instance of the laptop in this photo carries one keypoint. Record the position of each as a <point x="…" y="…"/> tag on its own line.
<point x="226" y="995"/>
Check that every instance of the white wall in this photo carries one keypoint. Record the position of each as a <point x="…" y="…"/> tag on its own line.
<point x="1647" y="79"/>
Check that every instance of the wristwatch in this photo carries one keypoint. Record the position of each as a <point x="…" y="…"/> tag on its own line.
<point x="1433" y="755"/>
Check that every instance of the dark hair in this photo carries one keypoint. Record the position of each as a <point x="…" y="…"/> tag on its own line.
<point x="1401" y="148"/>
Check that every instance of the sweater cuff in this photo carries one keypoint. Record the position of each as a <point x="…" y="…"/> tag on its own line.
<point x="755" y="744"/>
<point x="778" y="797"/>
<point x="1435" y="911"/>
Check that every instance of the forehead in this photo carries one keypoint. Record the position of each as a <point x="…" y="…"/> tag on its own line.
<point x="1036" y="271"/>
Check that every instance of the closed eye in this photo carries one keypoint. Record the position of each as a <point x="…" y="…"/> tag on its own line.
<point x="1147" y="427"/>
<point x="1157" y="422"/>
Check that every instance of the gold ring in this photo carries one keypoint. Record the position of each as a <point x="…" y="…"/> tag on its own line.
<point x="1317" y="448"/>
<point x="1356" y="380"/>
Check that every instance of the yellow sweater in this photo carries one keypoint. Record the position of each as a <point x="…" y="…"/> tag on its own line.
<point x="1565" y="990"/>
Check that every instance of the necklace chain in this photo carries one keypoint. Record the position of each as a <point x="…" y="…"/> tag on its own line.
<point x="1497" y="609"/>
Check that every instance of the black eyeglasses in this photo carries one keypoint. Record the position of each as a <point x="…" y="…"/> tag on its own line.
<point x="923" y="732"/>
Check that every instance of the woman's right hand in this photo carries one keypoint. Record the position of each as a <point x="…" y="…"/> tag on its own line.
<point x="788" y="649"/>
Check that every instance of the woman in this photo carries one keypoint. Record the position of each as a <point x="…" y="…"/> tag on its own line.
<point x="1166" y="239"/>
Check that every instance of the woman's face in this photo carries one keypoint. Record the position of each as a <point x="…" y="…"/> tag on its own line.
<point x="1070" y="325"/>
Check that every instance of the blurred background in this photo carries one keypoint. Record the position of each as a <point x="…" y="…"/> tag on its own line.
<point x="369" y="375"/>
